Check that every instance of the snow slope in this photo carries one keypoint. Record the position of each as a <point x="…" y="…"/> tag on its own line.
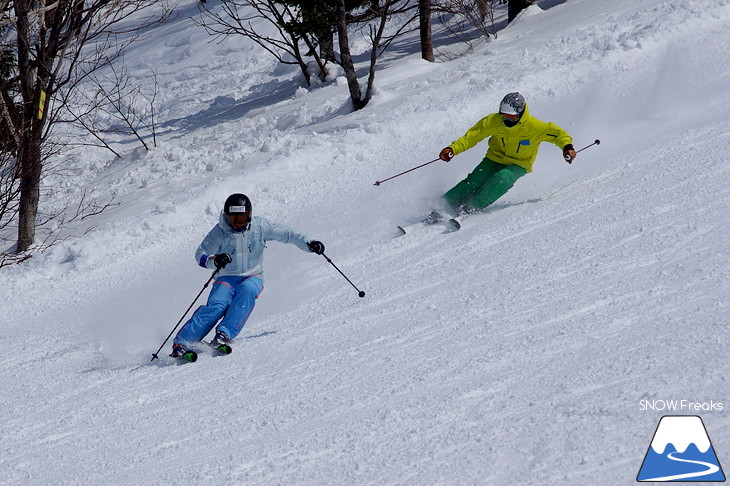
<point x="515" y="351"/>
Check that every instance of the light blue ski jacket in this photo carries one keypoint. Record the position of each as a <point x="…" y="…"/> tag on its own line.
<point x="246" y="248"/>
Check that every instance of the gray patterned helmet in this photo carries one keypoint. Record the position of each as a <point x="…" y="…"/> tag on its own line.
<point x="512" y="104"/>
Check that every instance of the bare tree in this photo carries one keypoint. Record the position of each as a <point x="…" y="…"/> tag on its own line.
<point x="57" y="46"/>
<point x="306" y="27"/>
<point x="460" y="17"/>
<point x="9" y="194"/>
<point x="424" y="17"/>
<point x="375" y="17"/>
<point x="117" y="107"/>
<point x="291" y="44"/>
<point x="485" y="8"/>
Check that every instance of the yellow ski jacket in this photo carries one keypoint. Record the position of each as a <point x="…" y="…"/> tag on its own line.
<point x="512" y="145"/>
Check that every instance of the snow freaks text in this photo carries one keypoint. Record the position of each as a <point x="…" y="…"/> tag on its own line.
<point x="680" y="406"/>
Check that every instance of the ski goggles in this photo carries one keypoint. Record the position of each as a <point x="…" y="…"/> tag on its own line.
<point x="238" y="219"/>
<point x="510" y="117"/>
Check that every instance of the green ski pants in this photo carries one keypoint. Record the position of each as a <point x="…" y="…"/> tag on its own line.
<point x="488" y="182"/>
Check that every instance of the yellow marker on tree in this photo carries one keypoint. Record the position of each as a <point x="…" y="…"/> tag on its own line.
<point x="42" y="105"/>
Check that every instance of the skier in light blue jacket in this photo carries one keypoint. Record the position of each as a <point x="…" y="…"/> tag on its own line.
<point x="235" y="246"/>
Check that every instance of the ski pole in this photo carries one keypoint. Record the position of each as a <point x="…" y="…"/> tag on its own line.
<point x="377" y="183"/>
<point x="597" y="142"/>
<point x="154" y="355"/>
<point x="359" y="292"/>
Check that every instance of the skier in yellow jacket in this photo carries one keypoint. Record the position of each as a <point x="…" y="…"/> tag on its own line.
<point x="515" y="139"/>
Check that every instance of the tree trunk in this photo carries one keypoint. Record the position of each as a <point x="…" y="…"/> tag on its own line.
<point x="483" y="9"/>
<point x="29" y="148"/>
<point x="326" y="46"/>
<point x="346" y="57"/>
<point x="424" y="15"/>
<point x="376" y="38"/>
<point x="29" y="160"/>
<point x="514" y="7"/>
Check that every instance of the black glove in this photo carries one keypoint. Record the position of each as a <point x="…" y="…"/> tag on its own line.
<point x="221" y="260"/>
<point x="316" y="247"/>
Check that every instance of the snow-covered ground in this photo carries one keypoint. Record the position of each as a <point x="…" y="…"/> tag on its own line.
<point x="518" y="350"/>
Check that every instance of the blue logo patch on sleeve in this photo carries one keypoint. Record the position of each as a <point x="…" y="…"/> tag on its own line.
<point x="525" y="142"/>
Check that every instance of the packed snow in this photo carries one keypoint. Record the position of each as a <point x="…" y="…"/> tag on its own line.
<point x="515" y="351"/>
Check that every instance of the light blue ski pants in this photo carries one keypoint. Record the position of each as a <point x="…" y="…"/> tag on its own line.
<point x="232" y="297"/>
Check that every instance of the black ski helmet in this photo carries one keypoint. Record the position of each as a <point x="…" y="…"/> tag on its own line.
<point x="237" y="210"/>
<point x="237" y="203"/>
<point x="512" y="104"/>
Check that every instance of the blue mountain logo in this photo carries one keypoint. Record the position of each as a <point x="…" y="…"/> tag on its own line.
<point x="681" y="451"/>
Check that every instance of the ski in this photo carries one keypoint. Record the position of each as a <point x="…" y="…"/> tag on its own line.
<point x="222" y="349"/>
<point x="454" y="224"/>
<point x="433" y="218"/>
<point x="189" y="356"/>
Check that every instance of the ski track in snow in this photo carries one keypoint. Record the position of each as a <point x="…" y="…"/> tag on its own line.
<point x="514" y="351"/>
